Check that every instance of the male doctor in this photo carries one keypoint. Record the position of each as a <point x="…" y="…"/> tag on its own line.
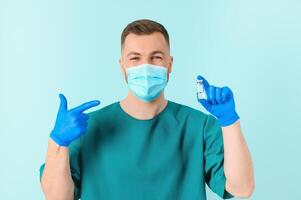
<point x="146" y="147"/>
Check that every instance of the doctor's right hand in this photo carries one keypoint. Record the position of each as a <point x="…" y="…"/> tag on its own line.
<point x="70" y="124"/>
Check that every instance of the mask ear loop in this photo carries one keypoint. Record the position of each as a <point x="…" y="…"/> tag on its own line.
<point x="167" y="78"/>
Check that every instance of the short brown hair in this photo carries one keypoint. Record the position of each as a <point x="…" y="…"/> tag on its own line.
<point x="144" y="27"/>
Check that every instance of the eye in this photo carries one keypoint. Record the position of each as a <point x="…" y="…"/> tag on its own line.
<point x="134" y="58"/>
<point x="157" y="57"/>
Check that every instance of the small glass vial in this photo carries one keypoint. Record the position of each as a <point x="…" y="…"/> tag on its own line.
<point x="201" y="93"/>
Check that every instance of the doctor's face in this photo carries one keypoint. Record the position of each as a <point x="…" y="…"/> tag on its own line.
<point x="141" y="49"/>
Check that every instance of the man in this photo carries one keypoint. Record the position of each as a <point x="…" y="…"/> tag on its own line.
<point x="145" y="146"/>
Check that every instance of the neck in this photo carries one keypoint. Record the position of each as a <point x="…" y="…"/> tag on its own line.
<point x="143" y="110"/>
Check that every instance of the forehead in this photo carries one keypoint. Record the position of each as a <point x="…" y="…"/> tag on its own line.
<point x="145" y="43"/>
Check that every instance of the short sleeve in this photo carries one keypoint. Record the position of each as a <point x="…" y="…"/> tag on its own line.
<point x="214" y="158"/>
<point x="74" y="159"/>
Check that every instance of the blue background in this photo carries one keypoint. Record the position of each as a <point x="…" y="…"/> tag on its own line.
<point x="47" y="47"/>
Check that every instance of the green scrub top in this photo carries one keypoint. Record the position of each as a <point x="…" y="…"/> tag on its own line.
<point x="168" y="157"/>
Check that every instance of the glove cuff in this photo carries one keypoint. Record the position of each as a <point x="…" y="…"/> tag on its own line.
<point x="229" y="120"/>
<point x="58" y="140"/>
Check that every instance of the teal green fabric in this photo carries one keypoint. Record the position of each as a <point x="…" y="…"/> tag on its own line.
<point x="171" y="156"/>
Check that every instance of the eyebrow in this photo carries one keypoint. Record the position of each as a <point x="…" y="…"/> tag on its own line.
<point x="157" y="52"/>
<point x="133" y="53"/>
<point x="137" y="54"/>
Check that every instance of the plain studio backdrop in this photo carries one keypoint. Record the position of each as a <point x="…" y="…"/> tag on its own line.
<point x="252" y="46"/>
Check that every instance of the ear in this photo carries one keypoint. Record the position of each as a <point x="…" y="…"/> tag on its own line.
<point x="170" y="64"/>
<point x="121" y="65"/>
<point x="169" y="67"/>
<point x="122" y="68"/>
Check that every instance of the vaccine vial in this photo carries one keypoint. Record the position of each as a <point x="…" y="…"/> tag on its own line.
<point x="201" y="93"/>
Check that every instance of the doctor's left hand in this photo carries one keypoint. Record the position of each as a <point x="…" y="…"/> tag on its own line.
<point x="220" y="103"/>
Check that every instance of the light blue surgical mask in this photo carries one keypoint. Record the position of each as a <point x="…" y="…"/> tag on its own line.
<point x="147" y="81"/>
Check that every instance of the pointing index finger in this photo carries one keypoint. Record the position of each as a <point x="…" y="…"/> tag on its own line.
<point x="86" y="106"/>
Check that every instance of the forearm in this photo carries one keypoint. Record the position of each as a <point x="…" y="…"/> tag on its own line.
<point x="56" y="181"/>
<point x="238" y="164"/>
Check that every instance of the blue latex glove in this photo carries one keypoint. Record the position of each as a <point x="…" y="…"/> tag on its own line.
<point x="220" y="103"/>
<point x="70" y="124"/>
